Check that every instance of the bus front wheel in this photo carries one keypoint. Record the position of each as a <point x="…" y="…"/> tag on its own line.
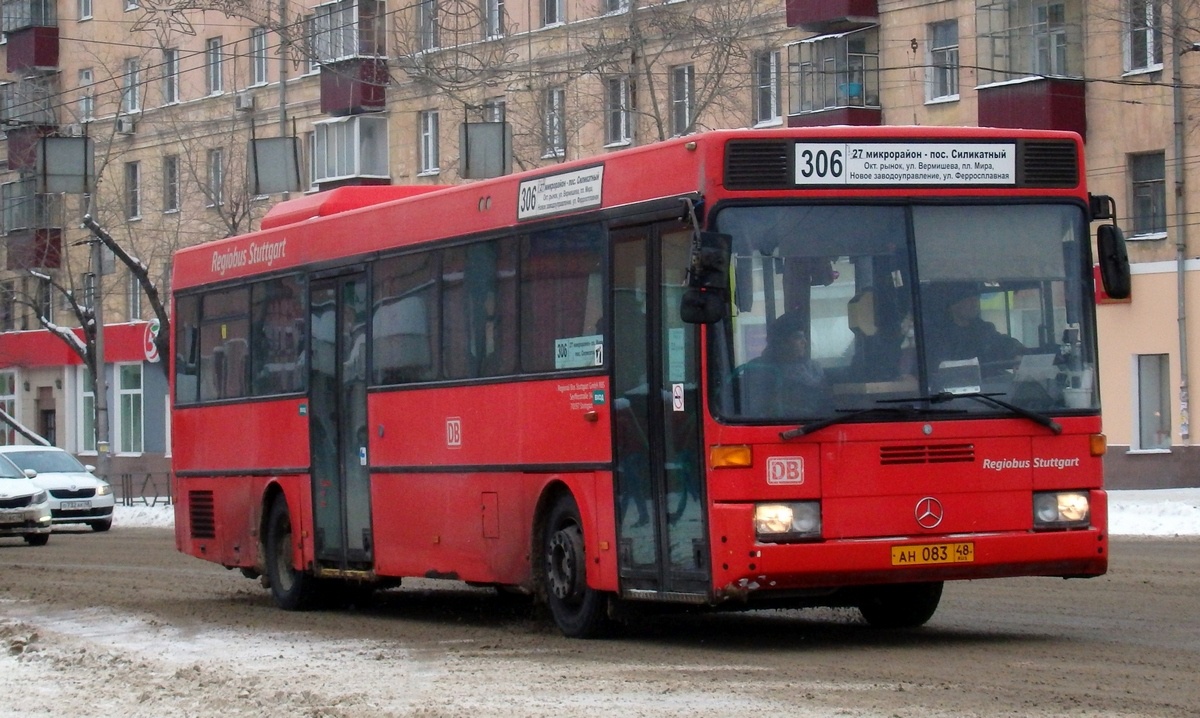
<point x="578" y="611"/>
<point x="292" y="589"/>
<point x="905" y="605"/>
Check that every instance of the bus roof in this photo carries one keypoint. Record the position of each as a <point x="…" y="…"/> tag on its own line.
<point x="360" y="221"/>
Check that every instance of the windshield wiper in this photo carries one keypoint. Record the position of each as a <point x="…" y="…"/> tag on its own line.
<point x="848" y="414"/>
<point x="1021" y="411"/>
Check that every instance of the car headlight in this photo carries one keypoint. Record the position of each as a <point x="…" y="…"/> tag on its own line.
<point x="792" y="521"/>
<point x="103" y="489"/>
<point x="40" y="497"/>
<point x="1060" y="509"/>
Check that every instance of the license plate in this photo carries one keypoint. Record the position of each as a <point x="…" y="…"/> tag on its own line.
<point x="933" y="553"/>
<point x="68" y="505"/>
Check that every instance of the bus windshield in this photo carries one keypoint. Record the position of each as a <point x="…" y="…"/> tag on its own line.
<point x="844" y="308"/>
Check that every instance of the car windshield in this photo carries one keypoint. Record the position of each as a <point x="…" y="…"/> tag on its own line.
<point x="841" y="308"/>
<point x="45" y="462"/>
<point x="9" y="470"/>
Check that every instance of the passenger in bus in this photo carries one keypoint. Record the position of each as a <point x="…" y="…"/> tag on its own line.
<point x="783" y="380"/>
<point x="961" y="333"/>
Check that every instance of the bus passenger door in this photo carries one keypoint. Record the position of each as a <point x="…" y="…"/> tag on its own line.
<point x="661" y="521"/>
<point x="338" y="423"/>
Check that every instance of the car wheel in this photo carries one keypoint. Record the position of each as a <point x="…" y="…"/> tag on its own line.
<point x="104" y="525"/>
<point x="292" y="589"/>
<point x="37" y="539"/>
<point x="579" y="611"/>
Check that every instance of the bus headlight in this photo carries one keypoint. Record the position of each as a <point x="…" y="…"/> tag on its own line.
<point x="791" y="521"/>
<point x="1060" y="509"/>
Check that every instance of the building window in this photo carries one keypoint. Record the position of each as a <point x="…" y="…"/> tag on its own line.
<point x="1147" y="174"/>
<point x="215" y="180"/>
<point x="87" y="95"/>
<point x="129" y="408"/>
<point x="258" y="56"/>
<point x="613" y="6"/>
<point x="429" y="142"/>
<point x="131" y="82"/>
<point x="132" y="5"/>
<point x="170" y="177"/>
<point x="8" y="402"/>
<point x="494" y="109"/>
<point x="133" y="190"/>
<point x="83" y="9"/>
<point x="683" y="98"/>
<point x="1144" y="39"/>
<point x="427" y="24"/>
<point x="87" y="411"/>
<point x="767" y="107"/>
<point x="943" y="61"/>
<point x="134" y="298"/>
<point x="552" y="12"/>
<point x="617" y="111"/>
<point x="355" y="146"/>
<point x="170" y="86"/>
<point x="493" y="18"/>
<point x="1153" y="402"/>
<point x="8" y="307"/>
<point x="835" y="71"/>
<point x="1018" y="38"/>
<point x="214" y="61"/>
<point x="45" y="304"/>
<point x="554" y="104"/>
<point x="310" y="151"/>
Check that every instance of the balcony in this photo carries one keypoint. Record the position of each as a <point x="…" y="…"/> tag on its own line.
<point x="350" y="87"/>
<point x="1036" y="103"/>
<point x="837" y="80"/>
<point x="34" y="249"/>
<point x="351" y="151"/>
<point x="32" y="224"/>
<point x="31" y="27"/>
<point x="831" y="15"/>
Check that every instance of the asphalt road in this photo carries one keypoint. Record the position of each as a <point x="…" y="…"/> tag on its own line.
<point x="123" y="616"/>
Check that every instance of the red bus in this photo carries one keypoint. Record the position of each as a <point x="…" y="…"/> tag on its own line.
<point x="798" y="367"/>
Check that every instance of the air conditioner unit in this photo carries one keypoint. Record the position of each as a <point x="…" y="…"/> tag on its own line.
<point x="243" y="102"/>
<point x="126" y="125"/>
<point x="74" y="129"/>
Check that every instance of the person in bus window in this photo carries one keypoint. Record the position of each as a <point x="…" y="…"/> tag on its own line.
<point x="783" y="380"/>
<point x="962" y="333"/>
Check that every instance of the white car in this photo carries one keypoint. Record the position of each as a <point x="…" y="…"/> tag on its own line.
<point x="76" y="495"/>
<point x="24" y="506"/>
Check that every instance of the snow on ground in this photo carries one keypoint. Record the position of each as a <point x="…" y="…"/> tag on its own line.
<point x="1153" y="512"/>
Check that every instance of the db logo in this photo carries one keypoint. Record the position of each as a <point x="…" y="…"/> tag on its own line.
<point x="785" y="471"/>
<point x="453" y="432"/>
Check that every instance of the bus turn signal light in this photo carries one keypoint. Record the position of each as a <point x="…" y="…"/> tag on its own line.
<point x="1098" y="444"/>
<point x="732" y="456"/>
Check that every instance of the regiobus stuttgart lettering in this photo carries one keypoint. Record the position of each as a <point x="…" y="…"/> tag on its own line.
<point x="265" y="254"/>
<point x="1037" y="463"/>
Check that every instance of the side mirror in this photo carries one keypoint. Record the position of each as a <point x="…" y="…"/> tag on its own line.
<point x="30" y="473"/>
<point x="707" y="294"/>
<point x="1114" y="261"/>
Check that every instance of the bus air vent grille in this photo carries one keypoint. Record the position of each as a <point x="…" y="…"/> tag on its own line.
<point x="1048" y="163"/>
<point x="758" y="164"/>
<point x="203" y="515"/>
<point x="926" y="454"/>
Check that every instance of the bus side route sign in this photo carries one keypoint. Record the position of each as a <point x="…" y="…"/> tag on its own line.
<point x="915" y="163"/>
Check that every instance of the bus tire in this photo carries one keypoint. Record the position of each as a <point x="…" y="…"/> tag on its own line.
<point x="292" y="589"/>
<point x="905" y="605"/>
<point x="578" y="611"/>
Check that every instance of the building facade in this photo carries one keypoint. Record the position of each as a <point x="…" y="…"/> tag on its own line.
<point x="170" y="93"/>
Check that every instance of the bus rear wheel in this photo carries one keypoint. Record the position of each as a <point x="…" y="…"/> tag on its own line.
<point x="905" y="605"/>
<point x="292" y="589"/>
<point x="578" y="611"/>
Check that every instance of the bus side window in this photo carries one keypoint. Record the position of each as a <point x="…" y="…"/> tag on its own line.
<point x="478" y="310"/>
<point x="224" y="345"/>
<point x="404" y="320"/>
<point x="278" y="331"/>
<point x="561" y="293"/>
<point x="187" y="350"/>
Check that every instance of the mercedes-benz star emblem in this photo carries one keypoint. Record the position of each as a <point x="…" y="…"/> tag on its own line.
<point x="929" y="513"/>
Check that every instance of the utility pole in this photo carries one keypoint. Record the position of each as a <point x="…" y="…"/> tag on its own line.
<point x="99" y="381"/>
<point x="1178" y="48"/>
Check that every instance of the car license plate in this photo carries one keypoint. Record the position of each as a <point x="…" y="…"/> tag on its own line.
<point x="69" y="505"/>
<point x="933" y="553"/>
